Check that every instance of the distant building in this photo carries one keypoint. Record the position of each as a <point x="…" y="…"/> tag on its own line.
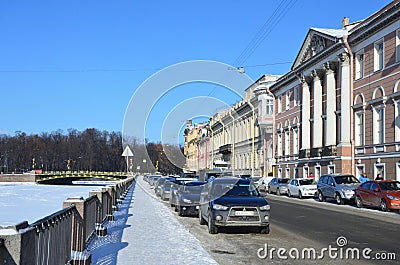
<point x="337" y="110"/>
<point x="192" y="134"/>
<point x="241" y="136"/>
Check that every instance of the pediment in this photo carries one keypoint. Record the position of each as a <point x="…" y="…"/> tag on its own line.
<point x="316" y="41"/>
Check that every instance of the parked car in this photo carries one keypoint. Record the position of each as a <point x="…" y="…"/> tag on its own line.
<point x="303" y="187"/>
<point x="188" y="197"/>
<point x="231" y="201"/>
<point x="337" y="186"/>
<point x="153" y="179"/>
<point x="159" y="184"/>
<point x="174" y="189"/>
<point x="278" y="186"/>
<point x="165" y="191"/>
<point x="262" y="184"/>
<point x="384" y="194"/>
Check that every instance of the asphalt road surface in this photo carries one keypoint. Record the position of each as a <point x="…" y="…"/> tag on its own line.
<point x="305" y="224"/>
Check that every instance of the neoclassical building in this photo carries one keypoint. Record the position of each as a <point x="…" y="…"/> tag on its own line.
<point x="337" y="110"/>
<point x="241" y="136"/>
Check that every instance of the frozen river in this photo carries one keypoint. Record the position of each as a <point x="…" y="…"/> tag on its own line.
<point x="31" y="202"/>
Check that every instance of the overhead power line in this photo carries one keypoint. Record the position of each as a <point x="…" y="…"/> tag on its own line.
<point x="269" y="25"/>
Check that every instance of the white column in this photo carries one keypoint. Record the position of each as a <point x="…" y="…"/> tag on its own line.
<point x="317" y="102"/>
<point x="305" y="115"/>
<point x="330" y="133"/>
<point x="345" y="99"/>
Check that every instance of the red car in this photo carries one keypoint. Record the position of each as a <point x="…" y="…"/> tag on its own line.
<point x="384" y="194"/>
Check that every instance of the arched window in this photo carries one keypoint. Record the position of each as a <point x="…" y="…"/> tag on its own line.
<point x="378" y="115"/>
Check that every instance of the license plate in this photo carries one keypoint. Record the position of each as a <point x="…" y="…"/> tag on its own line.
<point x="244" y="213"/>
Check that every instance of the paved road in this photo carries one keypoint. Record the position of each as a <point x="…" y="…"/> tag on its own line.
<point x="304" y="224"/>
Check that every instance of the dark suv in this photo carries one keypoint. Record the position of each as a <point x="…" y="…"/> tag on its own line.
<point x="337" y="186"/>
<point x="233" y="202"/>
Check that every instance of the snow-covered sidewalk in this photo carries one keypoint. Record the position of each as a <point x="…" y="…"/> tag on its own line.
<point x="145" y="231"/>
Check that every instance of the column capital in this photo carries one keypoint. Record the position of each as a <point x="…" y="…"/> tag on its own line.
<point x="344" y="58"/>
<point x="305" y="80"/>
<point x="329" y="67"/>
<point x="316" y="74"/>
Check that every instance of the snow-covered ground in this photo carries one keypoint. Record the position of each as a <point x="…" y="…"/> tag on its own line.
<point x="145" y="231"/>
<point x="31" y="202"/>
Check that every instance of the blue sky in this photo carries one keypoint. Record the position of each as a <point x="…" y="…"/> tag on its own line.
<point x="76" y="64"/>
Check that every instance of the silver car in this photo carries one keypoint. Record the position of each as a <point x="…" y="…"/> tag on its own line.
<point x="278" y="186"/>
<point x="339" y="187"/>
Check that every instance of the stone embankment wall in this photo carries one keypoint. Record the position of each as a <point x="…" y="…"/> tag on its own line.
<point x="17" y="177"/>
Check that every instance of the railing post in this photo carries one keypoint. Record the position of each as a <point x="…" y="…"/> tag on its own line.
<point x="100" y="229"/>
<point x="79" y="256"/>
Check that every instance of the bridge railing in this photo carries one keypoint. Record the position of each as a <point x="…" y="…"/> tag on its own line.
<point x="63" y="236"/>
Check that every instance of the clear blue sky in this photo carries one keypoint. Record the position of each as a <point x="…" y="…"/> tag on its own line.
<point x="76" y="64"/>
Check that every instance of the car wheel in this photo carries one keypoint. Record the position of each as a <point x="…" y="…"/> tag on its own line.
<point x="176" y="208"/>
<point x="383" y="206"/>
<point x="269" y="190"/>
<point x="264" y="230"/>
<point x="201" y="220"/>
<point x="338" y="199"/>
<point x="289" y="194"/>
<point x="321" y="197"/>
<point x="359" y="202"/>
<point x="162" y="197"/>
<point x="278" y="192"/>
<point x="212" y="229"/>
<point x="300" y="195"/>
<point x="180" y="211"/>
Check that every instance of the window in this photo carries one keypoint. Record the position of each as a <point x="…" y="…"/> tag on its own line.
<point x="379" y="125"/>
<point x="279" y="104"/>
<point x="359" y="129"/>
<point x="295" y="141"/>
<point x="287" y="100"/>
<point x="398" y="45"/>
<point x="287" y="143"/>
<point x="360" y="64"/>
<point x="287" y="173"/>
<point x="378" y="56"/>
<point x="295" y="96"/>
<point x="397" y="121"/>
<point x="279" y="144"/>
<point x="269" y="107"/>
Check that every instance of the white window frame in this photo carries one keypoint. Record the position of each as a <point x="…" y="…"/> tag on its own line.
<point x="359" y="129"/>
<point x="269" y="106"/>
<point x="280" y="172"/>
<point x="295" y="140"/>
<point x="397" y="45"/>
<point x="360" y="64"/>
<point x="379" y="165"/>
<point x="331" y="169"/>
<point x="287" y="143"/>
<point x="317" y="175"/>
<point x="379" y="125"/>
<point x="279" y="151"/>
<point x="306" y="171"/>
<point x="397" y="121"/>
<point x="379" y="55"/>
<point x="287" y="101"/>
<point x="295" y="96"/>
<point x="287" y="172"/>
<point x="279" y="104"/>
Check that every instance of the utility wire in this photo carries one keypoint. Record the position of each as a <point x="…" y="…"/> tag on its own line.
<point x="279" y="13"/>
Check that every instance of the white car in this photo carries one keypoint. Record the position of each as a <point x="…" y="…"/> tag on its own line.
<point x="262" y="184"/>
<point x="304" y="187"/>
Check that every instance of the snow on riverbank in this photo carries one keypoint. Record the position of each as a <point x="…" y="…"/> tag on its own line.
<point x="31" y="202"/>
<point x="145" y="231"/>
